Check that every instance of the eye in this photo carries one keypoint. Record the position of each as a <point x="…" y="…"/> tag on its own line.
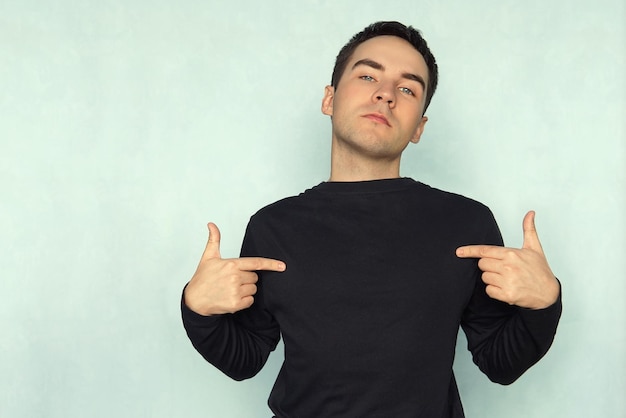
<point x="407" y="91"/>
<point x="367" y="78"/>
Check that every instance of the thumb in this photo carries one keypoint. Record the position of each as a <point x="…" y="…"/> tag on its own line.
<point x="531" y="239"/>
<point x="212" y="249"/>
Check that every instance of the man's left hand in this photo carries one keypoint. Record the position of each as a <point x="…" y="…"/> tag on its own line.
<point x="519" y="277"/>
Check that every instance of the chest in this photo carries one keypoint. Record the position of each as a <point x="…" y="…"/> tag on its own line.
<point x="396" y="279"/>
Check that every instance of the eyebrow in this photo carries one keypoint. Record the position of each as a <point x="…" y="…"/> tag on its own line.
<point x="378" y="66"/>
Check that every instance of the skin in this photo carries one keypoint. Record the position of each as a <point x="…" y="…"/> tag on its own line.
<point x="221" y="285"/>
<point x="376" y="110"/>
<point x="519" y="277"/>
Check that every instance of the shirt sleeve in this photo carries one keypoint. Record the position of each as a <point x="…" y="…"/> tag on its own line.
<point x="505" y="340"/>
<point x="236" y="344"/>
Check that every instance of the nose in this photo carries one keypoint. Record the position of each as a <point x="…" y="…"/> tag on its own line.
<point x="385" y="93"/>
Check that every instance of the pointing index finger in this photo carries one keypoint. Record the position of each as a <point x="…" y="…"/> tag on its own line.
<point x="479" y="251"/>
<point x="260" y="263"/>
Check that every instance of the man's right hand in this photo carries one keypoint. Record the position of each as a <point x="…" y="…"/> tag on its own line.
<point x="222" y="286"/>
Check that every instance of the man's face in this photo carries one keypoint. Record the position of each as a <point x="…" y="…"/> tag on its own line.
<point x="377" y="105"/>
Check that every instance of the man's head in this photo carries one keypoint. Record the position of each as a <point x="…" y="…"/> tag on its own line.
<point x="409" y="34"/>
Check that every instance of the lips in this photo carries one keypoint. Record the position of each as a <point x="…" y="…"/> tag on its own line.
<point x="377" y="117"/>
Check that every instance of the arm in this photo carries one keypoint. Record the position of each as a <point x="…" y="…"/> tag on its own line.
<point x="506" y="340"/>
<point x="515" y="309"/>
<point x="228" y="344"/>
<point x="217" y="316"/>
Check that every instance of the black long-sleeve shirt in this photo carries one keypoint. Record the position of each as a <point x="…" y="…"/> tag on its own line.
<point x="371" y="302"/>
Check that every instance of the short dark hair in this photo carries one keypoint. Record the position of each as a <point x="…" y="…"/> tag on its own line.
<point x="408" y="33"/>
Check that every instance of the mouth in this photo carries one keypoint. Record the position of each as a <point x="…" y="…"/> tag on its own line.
<point x="378" y="118"/>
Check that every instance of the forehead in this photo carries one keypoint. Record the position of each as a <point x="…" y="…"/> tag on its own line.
<point x="394" y="53"/>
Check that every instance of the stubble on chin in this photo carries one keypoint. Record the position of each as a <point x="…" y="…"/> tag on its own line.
<point x="368" y="141"/>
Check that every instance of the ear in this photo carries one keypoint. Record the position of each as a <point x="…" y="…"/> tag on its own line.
<point x="327" y="101"/>
<point x="419" y="130"/>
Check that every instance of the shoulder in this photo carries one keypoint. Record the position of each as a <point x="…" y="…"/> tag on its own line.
<point x="450" y="201"/>
<point x="459" y="213"/>
<point x="277" y="208"/>
<point x="280" y="209"/>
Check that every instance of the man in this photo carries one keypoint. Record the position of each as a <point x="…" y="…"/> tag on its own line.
<point x="376" y="271"/>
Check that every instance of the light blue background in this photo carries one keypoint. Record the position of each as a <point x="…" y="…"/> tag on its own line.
<point x="125" y="126"/>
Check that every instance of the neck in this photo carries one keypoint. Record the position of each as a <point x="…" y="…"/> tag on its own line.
<point x="346" y="166"/>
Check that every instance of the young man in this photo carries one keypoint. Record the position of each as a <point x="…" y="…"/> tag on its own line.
<point x="376" y="272"/>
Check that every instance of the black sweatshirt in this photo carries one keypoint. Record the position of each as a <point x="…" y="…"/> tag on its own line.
<point x="370" y="304"/>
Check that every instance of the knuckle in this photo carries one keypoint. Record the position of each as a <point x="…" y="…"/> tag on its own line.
<point x="247" y="302"/>
<point x="230" y="265"/>
<point x="511" y="253"/>
<point x="234" y="304"/>
<point x="490" y="290"/>
<point x="233" y="279"/>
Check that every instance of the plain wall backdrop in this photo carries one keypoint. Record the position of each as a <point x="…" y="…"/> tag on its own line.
<point x="126" y="126"/>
